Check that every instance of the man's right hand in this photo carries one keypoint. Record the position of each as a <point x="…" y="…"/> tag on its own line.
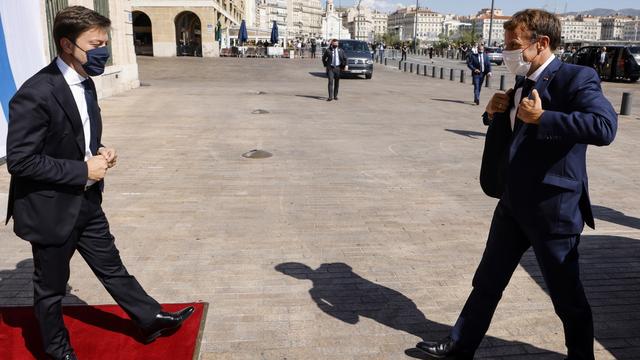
<point x="499" y="103"/>
<point x="97" y="166"/>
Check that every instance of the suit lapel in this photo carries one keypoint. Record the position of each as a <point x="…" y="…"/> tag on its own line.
<point x="64" y="97"/>
<point x="541" y="86"/>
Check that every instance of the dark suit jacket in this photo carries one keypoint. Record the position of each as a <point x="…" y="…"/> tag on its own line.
<point x="473" y="63"/>
<point x="327" y="57"/>
<point x="45" y="156"/>
<point x="544" y="170"/>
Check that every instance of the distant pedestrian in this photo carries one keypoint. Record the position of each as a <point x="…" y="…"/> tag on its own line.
<point x="480" y="67"/>
<point x="313" y="49"/>
<point x="381" y="51"/>
<point x="602" y="61"/>
<point x="430" y="53"/>
<point x="404" y="52"/>
<point x="334" y="61"/>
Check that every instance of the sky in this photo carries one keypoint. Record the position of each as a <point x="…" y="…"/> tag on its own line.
<point x="470" y="7"/>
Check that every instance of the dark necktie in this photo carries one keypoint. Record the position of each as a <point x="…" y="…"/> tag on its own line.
<point x="526" y="91"/>
<point x="94" y="114"/>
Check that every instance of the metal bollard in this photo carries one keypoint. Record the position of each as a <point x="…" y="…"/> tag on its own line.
<point x="425" y="70"/>
<point x="405" y="66"/>
<point x="462" y="76"/>
<point x="625" y="107"/>
<point x="433" y="72"/>
<point x="487" y="81"/>
<point x="400" y="65"/>
<point x="441" y="73"/>
<point x="385" y="61"/>
<point x="451" y="76"/>
<point x="411" y="68"/>
<point x="501" y="82"/>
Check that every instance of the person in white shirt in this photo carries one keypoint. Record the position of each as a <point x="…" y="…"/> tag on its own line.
<point x="334" y="60"/>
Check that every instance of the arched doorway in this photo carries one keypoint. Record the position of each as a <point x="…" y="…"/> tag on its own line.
<point x="188" y="34"/>
<point x="142" y="38"/>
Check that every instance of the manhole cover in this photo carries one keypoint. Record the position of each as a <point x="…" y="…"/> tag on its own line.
<point x="259" y="111"/>
<point x="257" y="154"/>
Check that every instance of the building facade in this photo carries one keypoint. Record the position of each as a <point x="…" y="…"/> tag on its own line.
<point x="168" y="28"/>
<point x="613" y="27"/>
<point x="631" y="30"/>
<point x="364" y="23"/>
<point x="380" y="21"/>
<point x="121" y="72"/>
<point x="577" y="28"/>
<point x="427" y="25"/>
<point x="307" y="19"/>
<point x="490" y="32"/>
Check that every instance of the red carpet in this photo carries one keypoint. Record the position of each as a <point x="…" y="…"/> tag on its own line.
<point x="99" y="332"/>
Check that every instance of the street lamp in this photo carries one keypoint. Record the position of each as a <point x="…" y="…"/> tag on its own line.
<point x="415" y="30"/>
<point x="490" y="24"/>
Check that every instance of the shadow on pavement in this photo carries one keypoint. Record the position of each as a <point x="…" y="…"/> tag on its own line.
<point x="456" y="101"/>
<point x="467" y="133"/>
<point x="318" y="74"/>
<point x="313" y="97"/>
<point x="610" y="271"/>
<point x="346" y="296"/>
<point x="615" y="216"/>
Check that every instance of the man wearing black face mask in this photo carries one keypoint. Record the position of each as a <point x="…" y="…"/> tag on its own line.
<point x="334" y="60"/>
<point x="58" y="166"/>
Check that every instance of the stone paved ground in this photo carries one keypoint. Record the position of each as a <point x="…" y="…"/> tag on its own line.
<point x="357" y="238"/>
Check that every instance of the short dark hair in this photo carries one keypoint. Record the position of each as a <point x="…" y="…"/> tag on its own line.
<point x="539" y="23"/>
<point x="74" y="20"/>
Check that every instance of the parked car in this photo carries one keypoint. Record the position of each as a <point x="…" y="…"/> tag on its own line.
<point x="566" y="56"/>
<point x="623" y="63"/>
<point x="494" y="54"/>
<point x="359" y="58"/>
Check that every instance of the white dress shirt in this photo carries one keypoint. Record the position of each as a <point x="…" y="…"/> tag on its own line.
<point x="336" y="58"/>
<point x="74" y="80"/>
<point x="518" y="95"/>
<point x="481" y="60"/>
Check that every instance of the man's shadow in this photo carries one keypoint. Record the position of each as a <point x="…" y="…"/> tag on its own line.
<point x="19" y="280"/>
<point x="346" y="296"/>
<point x="610" y="273"/>
<point x="318" y="74"/>
<point x="468" y="133"/>
<point x="615" y="216"/>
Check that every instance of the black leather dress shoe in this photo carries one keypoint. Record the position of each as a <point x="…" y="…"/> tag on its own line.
<point x="329" y="99"/>
<point x="335" y="98"/>
<point x="165" y="322"/>
<point x="443" y="349"/>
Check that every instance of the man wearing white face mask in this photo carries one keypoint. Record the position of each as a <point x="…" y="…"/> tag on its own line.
<point x="534" y="162"/>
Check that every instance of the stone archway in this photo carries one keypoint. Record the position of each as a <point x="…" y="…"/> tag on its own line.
<point x="188" y="34"/>
<point x="142" y="33"/>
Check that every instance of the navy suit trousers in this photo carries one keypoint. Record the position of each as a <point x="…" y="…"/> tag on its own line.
<point x="557" y="256"/>
<point x="478" y="79"/>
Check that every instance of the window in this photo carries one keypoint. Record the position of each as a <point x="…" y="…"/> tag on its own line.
<point x="102" y="7"/>
<point x="52" y="8"/>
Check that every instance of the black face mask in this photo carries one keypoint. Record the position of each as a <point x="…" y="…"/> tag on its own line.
<point x="334" y="46"/>
<point x="96" y="60"/>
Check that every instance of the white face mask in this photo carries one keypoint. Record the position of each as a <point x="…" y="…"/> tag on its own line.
<point x="514" y="61"/>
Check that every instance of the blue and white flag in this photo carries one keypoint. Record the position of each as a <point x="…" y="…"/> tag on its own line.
<point x="22" y="52"/>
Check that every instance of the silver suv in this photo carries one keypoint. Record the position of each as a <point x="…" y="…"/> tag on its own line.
<point x="494" y="54"/>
